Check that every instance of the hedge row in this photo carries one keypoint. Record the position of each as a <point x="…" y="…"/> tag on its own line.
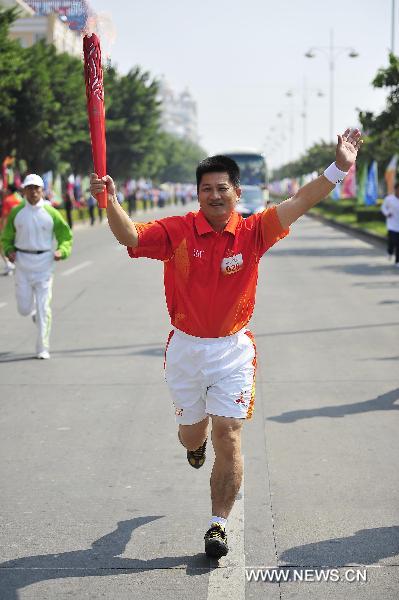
<point x="350" y="206"/>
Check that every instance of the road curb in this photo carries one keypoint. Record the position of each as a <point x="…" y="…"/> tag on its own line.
<point x="359" y="233"/>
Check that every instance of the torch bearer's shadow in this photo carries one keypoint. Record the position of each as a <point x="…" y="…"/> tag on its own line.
<point x="101" y="560"/>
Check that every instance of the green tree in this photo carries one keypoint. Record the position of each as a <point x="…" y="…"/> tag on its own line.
<point x="318" y="157"/>
<point x="44" y="122"/>
<point x="132" y="124"/>
<point x="180" y="159"/>
<point x="50" y="109"/>
<point x="13" y="73"/>
<point x="42" y="104"/>
<point x="382" y="130"/>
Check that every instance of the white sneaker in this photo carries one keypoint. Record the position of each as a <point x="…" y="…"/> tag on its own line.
<point x="43" y="355"/>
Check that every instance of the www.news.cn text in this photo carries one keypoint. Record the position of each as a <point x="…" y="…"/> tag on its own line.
<point x="303" y="574"/>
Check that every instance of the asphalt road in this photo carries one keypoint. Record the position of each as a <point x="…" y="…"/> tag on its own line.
<point x="97" y="498"/>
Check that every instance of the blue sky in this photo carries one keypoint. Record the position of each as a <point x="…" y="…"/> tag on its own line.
<point x="239" y="59"/>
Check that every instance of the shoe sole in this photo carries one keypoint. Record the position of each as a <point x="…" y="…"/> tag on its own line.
<point x="215" y="549"/>
<point x="196" y="464"/>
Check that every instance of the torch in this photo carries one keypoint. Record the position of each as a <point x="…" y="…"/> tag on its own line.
<point x="95" y="107"/>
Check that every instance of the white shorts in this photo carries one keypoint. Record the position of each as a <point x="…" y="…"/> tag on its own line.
<point x="211" y="376"/>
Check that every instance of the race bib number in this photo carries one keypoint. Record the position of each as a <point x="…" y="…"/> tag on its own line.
<point x="232" y="264"/>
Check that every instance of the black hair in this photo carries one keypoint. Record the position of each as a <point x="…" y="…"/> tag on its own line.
<point x="12" y="187"/>
<point x="219" y="164"/>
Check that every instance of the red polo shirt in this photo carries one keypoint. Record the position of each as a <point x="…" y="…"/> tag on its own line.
<point x="210" y="277"/>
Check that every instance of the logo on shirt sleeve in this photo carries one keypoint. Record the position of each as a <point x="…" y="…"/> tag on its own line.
<point x="232" y="264"/>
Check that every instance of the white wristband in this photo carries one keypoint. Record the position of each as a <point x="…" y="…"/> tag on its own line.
<point x="335" y="175"/>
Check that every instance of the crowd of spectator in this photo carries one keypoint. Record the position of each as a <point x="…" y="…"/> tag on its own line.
<point x="79" y="205"/>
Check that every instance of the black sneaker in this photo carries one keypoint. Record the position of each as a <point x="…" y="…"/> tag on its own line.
<point x="197" y="457"/>
<point x="216" y="541"/>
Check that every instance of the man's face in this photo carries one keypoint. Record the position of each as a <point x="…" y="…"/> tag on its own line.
<point x="217" y="198"/>
<point x="33" y="193"/>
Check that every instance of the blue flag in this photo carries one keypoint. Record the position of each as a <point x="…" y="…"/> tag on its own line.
<point x="371" y="194"/>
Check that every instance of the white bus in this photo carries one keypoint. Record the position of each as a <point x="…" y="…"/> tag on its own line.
<point x="252" y="164"/>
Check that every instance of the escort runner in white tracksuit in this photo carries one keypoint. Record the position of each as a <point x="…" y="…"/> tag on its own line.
<point x="28" y="241"/>
<point x="390" y="208"/>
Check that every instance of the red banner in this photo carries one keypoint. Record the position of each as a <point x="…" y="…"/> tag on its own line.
<point x="349" y="184"/>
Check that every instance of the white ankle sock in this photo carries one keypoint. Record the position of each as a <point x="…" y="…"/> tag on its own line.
<point x="216" y="519"/>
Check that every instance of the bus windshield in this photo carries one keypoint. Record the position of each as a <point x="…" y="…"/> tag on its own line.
<point x="252" y="168"/>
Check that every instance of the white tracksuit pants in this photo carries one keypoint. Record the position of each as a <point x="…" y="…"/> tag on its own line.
<point x="33" y="290"/>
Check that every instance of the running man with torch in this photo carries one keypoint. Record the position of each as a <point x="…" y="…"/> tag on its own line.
<point x="210" y="272"/>
<point x="211" y="262"/>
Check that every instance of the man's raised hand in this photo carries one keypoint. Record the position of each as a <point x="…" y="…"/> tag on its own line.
<point x="347" y="148"/>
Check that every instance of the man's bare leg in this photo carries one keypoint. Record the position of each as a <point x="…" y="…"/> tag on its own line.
<point x="225" y="481"/>
<point x="193" y="436"/>
<point x="227" y="469"/>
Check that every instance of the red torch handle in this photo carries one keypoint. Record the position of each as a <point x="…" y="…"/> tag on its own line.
<point x="95" y="107"/>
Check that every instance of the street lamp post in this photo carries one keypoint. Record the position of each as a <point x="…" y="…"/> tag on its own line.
<point x="275" y="142"/>
<point x="304" y="113"/>
<point x="290" y="95"/>
<point x="332" y="52"/>
<point x="282" y="136"/>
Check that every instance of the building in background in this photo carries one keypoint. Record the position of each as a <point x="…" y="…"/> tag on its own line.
<point x="179" y="112"/>
<point x="24" y="9"/>
<point x="76" y="12"/>
<point x="58" y="22"/>
<point x="50" y="28"/>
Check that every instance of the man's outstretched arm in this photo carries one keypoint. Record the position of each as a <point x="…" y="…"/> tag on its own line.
<point x="310" y="194"/>
<point x="120" y="224"/>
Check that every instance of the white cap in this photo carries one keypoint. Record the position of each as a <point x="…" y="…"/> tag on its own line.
<point x="33" y="180"/>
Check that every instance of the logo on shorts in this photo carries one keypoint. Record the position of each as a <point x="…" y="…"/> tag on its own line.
<point x="241" y="400"/>
<point x="179" y="412"/>
<point x="232" y="264"/>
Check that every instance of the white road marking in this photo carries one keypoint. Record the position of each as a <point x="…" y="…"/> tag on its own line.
<point x="77" y="268"/>
<point x="228" y="581"/>
<point x="3" y="304"/>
